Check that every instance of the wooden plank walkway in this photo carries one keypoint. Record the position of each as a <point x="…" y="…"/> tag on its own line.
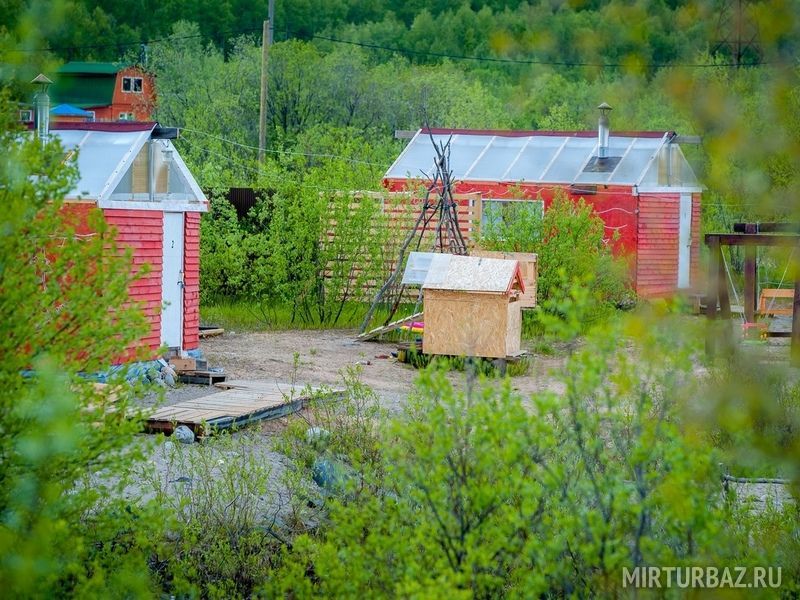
<point x="240" y="403"/>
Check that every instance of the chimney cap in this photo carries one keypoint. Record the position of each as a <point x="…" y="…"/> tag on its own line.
<point x="605" y="106"/>
<point x="41" y="78"/>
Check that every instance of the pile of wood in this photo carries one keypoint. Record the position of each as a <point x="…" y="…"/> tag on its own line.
<point x="195" y="370"/>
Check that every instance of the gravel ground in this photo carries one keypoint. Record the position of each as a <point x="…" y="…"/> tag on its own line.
<point x="320" y="358"/>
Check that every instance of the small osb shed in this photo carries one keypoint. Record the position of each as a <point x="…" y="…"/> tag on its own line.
<point x="528" y="266"/>
<point x="472" y="307"/>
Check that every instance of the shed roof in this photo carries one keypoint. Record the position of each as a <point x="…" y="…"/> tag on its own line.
<point x="91" y="68"/>
<point x="84" y="91"/>
<point x="105" y="154"/>
<point x="473" y="274"/>
<point x="649" y="159"/>
<point x="67" y="110"/>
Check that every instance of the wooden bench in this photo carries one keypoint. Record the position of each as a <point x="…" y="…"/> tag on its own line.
<point x="766" y="301"/>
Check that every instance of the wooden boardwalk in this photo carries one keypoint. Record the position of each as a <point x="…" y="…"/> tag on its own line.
<point x="240" y="403"/>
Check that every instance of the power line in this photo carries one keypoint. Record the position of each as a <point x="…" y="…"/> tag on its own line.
<point x="408" y="51"/>
<point x="256" y="170"/>
<point x="287" y="152"/>
<point x="399" y="50"/>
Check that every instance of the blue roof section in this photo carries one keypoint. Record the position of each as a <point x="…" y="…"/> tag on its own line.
<point x="67" y="110"/>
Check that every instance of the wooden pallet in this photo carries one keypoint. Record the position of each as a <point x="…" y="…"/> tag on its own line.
<point x="242" y="403"/>
<point x="201" y="377"/>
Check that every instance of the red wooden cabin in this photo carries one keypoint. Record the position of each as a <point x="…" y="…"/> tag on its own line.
<point x="134" y="174"/>
<point x="640" y="184"/>
<point x="109" y="91"/>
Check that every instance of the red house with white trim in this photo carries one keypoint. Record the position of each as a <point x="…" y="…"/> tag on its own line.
<point x="134" y="174"/>
<point x="639" y="183"/>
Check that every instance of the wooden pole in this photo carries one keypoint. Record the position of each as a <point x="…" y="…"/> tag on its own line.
<point x="262" y="112"/>
<point x="722" y="286"/>
<point x="712" y="295"/>
<point x="795" y="352"/>
<point x="266" y="42"/>
<point x="750" y="283"/>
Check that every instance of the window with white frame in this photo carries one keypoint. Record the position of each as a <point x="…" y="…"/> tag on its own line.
<point x="132" y="84"/>
<point x="26" y="116"/>
<point x="497" y="214"/>
<point x="126" y="116"/>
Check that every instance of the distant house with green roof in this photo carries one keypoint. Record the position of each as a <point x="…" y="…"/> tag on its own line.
<point x="111" y="91"/>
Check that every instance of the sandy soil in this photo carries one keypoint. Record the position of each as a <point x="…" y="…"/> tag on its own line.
<point x="322" y="357"/>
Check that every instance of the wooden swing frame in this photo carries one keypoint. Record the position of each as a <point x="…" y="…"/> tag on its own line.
<point x="752" y="236"/>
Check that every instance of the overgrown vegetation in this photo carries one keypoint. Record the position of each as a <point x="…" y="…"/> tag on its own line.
<point x="470" y="490"/>
<point x="568" y="238"/>
<point x="475" y="493"/>
<point x="299" y="257"/>
<point x="64" y="310"/>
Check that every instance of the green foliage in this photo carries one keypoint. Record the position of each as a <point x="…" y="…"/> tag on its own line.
<point x="569" y="241"/>
<point x="220" y="504"/>
<point x="303" y="245"/>
<point x="64" y="309"/>
<point x="477" y="493"/>
<point x="756" y="407"/>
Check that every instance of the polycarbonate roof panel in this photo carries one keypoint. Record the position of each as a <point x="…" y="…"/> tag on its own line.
<point x="544" y="158"/>
<point x="464" y="152"/>
<point x="635" y="160"/>
<point x="634" y="155"/>
<point x="417" y="267"/>
<point x="570" y="160"/>
<point x="533" y="160"/>
<point x="100" y="157"/>
<point x="498" y="155"/>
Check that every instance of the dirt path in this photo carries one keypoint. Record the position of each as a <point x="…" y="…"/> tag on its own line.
<point x="322" y="356"/>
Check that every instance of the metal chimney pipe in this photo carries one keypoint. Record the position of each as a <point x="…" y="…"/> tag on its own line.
<point x="603" y="131"/>
<point x="41" y="103"/>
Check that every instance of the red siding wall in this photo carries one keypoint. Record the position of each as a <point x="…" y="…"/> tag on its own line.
<point x="657" y="260"/>
<point x="615" y="204"/>
<point x="143" y="231"/>
<point x="191" y="279"/>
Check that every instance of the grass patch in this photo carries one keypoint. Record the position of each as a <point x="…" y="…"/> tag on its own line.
<point x="483" y="366"/>
<point x="234" y="314"/>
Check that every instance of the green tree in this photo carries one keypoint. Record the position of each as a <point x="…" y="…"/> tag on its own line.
<point x="64" y="310"/>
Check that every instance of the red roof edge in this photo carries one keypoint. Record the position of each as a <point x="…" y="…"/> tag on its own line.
<point x="517" y="277"/>
<point x="114" y="126"/>
<point x="520" y="133"/>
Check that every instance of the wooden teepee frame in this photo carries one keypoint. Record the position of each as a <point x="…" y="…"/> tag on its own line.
<point x="447" y="235"/>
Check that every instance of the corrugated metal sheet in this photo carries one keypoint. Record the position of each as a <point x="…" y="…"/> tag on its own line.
<point x="191" y="280"/>
<point x="657" y="260"/>
<point x="142" y="232"/>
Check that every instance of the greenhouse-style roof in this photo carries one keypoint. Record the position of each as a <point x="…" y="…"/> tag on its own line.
<point x="645" y="159"/>
<point x="106" y="151"/>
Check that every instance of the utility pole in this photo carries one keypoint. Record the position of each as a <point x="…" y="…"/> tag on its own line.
<point x="266" y="42"/>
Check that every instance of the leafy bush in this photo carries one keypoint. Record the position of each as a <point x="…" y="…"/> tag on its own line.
<point x="307" y="244"/>
<point x="568" y="238"/>
<point x="479" y="493"/>
<point x="64" y="310"/>
<point x="220" y="506"/>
